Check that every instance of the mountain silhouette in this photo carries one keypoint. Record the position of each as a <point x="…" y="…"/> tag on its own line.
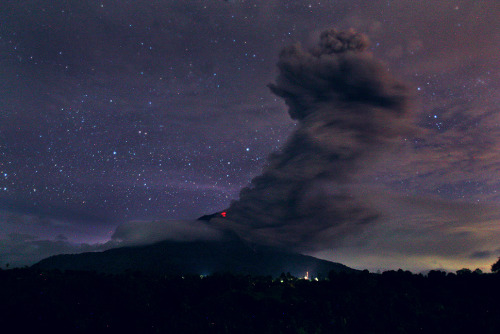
<point x="195" y="257"/>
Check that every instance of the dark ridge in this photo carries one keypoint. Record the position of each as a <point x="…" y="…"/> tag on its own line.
<point x="208" y="217"/>
<point x="197" y="257"/>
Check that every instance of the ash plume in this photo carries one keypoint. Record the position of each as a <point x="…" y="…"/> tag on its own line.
<point x="349" y="108"/>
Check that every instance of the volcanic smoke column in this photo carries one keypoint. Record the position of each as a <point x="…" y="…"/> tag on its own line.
<point x="348" y="108"/>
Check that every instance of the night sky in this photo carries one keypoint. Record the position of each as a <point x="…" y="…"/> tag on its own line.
<point x="145" y="115"/>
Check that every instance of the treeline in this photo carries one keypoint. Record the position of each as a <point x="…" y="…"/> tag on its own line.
<point x="360" y="302"/>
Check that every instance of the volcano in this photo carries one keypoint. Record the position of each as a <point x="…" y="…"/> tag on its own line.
<point x="231" y="254"/>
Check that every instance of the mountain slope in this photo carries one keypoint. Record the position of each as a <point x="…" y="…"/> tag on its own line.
<point x="196" y="257"/>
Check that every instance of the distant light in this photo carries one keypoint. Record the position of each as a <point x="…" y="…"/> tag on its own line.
<point x="223" y="214"/>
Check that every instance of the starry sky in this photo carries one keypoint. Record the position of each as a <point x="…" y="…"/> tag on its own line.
<point x="115" y="112"/>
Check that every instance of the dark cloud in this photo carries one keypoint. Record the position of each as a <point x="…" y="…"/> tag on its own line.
<point x="485" y="254"/>
<point x="481" y="255"/>
<point x="339" y="70"/>
<point x="348" y="108"/>
<point x="147" y="232"/>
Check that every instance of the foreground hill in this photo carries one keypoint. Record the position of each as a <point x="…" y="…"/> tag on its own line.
<point x="196" y="257"/>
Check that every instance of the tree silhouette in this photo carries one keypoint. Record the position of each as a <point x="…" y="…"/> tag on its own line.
<point x="496" y="266"/>
<point x="464" y="271"/>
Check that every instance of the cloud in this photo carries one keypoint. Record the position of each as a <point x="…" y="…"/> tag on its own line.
<point x="455" y="154"/>
<point x="339" y="70"/>
<point x="27" y="238"/>
<point x="481" y="255"/>
<point x="147" y="232"/>
<point x="419" y="233"/>
<point x="349" y="108"/>
<point x="19" y="249"/>
<point x="22" y="248"/>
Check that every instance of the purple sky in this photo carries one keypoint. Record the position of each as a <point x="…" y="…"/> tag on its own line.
<point x="113" y="112"/>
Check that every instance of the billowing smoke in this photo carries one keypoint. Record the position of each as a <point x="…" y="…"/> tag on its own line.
<point x="348" y="107"/>
<point x="148" y="232"/>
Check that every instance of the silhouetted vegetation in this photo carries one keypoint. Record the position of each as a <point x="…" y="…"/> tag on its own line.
<point x="496" y="266"/>
<point x="359" y="302"/>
